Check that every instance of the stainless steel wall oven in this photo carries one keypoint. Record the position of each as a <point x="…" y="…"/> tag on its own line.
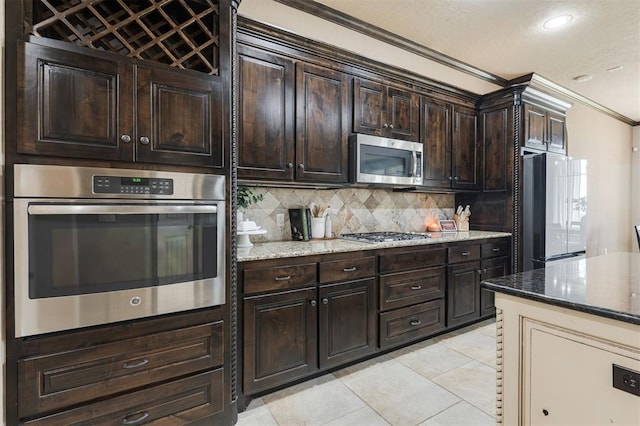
<point x="100" y="245"/>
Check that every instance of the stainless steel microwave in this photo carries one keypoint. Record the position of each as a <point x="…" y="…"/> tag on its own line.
<point x="378" y="160"/>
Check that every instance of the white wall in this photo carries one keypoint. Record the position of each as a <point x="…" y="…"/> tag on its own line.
<point x="604" y="141"/>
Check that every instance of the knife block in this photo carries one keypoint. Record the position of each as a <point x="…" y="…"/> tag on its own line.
<point x="461" y="224"/>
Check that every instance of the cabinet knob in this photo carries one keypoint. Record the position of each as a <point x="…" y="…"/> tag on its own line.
<point x="415" y="322"/>
<point x="455" y="178"/>
<point x="285" y="278"/>
<point x="450" y="178"/>
<point x="465" y="253"/>
<point x="135" y="364"/>
<point x="545" y="412"/>
<point x="325" y="301"/>
<point x="313" y="303"/>
<point x="495" y="249"/>
<point x="479" y="271"/>
<point x="125" y="138"/>
<point x="144" y="140"/>
<point x="385" y="125"/>
<point x="416" y="287"/>
<point x="391" y="126"/>
<point x="351" y="269"/>
<point x="301" y="166"/>
<point x="290" y="165"/>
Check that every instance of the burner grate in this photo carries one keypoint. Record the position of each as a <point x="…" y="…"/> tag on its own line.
<point x="382" y="237"/>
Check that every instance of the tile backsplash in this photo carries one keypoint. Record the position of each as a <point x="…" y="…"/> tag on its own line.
<point x="355" y="209"/>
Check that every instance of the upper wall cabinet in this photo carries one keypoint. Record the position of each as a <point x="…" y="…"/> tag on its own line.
<point x="385" y="111"/>
<point x="452" y="157"/>
<point x="96" y="107"/>
<point x="322" y="124"/>
<point x="266" y="107"/>
<point x="293" y="120"/>
<point x="544" y="129"/>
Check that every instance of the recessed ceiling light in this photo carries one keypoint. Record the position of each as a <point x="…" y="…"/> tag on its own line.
<point x="582" y="78"/>
<point x="557" y="21"/>
<point x="617" y="68"/>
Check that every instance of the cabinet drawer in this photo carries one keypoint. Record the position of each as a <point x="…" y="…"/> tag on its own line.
<point x="464" y="253"/>
<point x="279" y="278"/>
<point x="408" y="288"/>
<point x="407" y="324"/>
<point x="52" y="382"/>
<point x="347" y="269"/>
<point x="182" y="401"/>
<point x="495" y="248"/>
<point x="411" y="259"/>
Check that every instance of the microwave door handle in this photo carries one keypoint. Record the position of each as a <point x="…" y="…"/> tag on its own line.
<point x="414" y="169"/>
<point x="118" y="209"/>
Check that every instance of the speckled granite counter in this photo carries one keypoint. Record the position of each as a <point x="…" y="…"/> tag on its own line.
<point x="281" y="249"/>
<point x="607" y="286"/>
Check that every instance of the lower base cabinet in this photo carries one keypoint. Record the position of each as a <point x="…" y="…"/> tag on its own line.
<point x="411" y="323"/>
<point x="463" y="293"/>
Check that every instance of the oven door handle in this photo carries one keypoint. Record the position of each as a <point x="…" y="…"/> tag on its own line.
<point x="36" y="209"/>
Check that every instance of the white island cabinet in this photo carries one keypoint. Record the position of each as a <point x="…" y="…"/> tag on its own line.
<point x="569" y="343"/>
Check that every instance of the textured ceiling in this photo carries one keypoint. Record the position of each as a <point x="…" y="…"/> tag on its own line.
<point x="506" y="38"/>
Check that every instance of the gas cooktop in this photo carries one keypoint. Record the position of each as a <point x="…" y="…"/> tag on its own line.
<point x="382" y="237"/>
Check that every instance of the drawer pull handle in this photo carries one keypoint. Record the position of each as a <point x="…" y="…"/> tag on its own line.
<point x="313" y="303"/>
<point x="465" y="253"/>
<point x="495" y="249"/>
<point x="285" y="278"/>
<point x="325" y="301"/>
<point x="135" y="418"/>
<point x="415" y="322"/>
<point x="353" y="268"/>
<point x="416" y="287"/>
<point x="135" y="364"/>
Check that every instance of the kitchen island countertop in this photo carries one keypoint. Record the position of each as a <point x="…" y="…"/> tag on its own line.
<point x="282" y="249"/>
<point x="606" y="286"/>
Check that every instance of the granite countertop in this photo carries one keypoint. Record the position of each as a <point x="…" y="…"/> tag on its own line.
<point x="607" y="286"/>
<point x="282" y="249"/>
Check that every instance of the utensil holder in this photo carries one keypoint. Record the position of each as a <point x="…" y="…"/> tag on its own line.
<point x="317" y="227"/>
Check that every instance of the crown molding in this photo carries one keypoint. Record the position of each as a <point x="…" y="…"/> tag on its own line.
<point x="347" y="21"/>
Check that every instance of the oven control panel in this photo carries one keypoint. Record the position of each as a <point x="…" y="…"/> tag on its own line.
<point x="132" y="185"/>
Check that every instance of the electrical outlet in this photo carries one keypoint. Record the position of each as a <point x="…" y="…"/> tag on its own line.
<point x="280" y="220"/>
<point x="626" y="379"/>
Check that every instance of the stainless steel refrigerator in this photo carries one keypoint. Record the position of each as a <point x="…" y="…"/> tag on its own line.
<point x="554" y="209"/>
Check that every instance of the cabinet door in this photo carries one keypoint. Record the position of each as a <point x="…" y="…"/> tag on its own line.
<point x="73" y="105"/>
<point x="403" y="114"/>
<point x="556" y="133"/>
<point x="347" y="322"/>
<point x="435" y="121"/>
<point x="322" y="129"/>
<point x="369" y="103"/>
<point x="491" y="268"/>
<point x="535" y="127"/>
<point x="280" y="338"/>
<point x="465" y="160"/>
<point x="266" y="115"/>
<point x="179" y="118"/>
<point x="497" y="138"/>
<point x="463" y="293"/>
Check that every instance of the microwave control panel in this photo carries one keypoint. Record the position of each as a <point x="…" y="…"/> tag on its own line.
<point x="132" y="185"/>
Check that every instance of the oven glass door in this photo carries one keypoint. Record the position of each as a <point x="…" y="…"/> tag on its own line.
<point x="83" y="249"/>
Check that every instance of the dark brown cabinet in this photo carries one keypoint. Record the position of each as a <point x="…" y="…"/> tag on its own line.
<point x="322" y="124"/>
<point x="347" y="327"/>
<point x="266" y="107"/>
<point x="497" y="139"/>
<point x="86" y="106"/>
<point x="383" y="110"/>
<point x="463" y="284"/>
<point x="451" y="151"/>
<point x="544" y="129"/>
<point x="280" y="338"/>
<point x="465" y="159"/>
<point x="495" y="263"/>
<point x="147" y="370"/>
<point x="292" y="334"/>
<point x="294" y="119"/>
<point x="412" y="290"/>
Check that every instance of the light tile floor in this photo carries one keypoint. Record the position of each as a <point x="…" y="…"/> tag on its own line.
<point x="447" y="380"/>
